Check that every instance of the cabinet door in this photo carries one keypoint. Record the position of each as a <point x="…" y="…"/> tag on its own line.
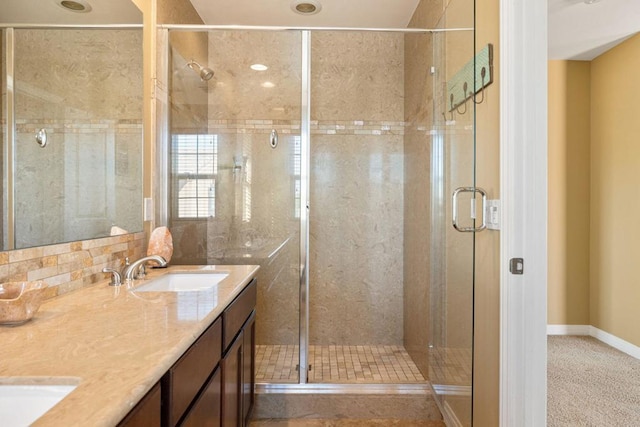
<point x="146" y="413"/>
<point x="183" y="381"/>
<point x="248" y="367"/>
<point x="206" y="410"/>
<point x="232" y="383"/>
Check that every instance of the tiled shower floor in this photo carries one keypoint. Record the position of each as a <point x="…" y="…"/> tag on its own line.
<point x="450" y="366"/>
<point x="382" y="364"/>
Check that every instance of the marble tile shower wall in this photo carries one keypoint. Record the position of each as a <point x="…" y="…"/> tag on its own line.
<point x="357" y="170"/>
<point x="357" y="188"/>
<point x="231" y="239"/>
<point x="256" y="219"/>
<point x="256" y="222"/>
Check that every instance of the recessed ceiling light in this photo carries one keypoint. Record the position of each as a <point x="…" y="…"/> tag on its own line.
<point x="306" y="7"/>
<point x="259" y="67"/>
<point x="268" y="85"/>
<point x="591" y="1"/>
<point x="78" y="6"/>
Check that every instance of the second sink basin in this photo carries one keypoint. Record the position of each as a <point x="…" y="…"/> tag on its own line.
<point x="182" y="282"/>
<point x="22" y="404"/>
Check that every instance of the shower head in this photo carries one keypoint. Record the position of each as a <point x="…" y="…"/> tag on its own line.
<point x="205" y="73"/>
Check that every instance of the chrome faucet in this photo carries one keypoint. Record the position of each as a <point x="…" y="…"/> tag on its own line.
<point x="116" y="279"/>
<point x="130" y="271"/>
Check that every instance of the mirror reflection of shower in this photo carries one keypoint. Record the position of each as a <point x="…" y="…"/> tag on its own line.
<point x="205" y="73"/>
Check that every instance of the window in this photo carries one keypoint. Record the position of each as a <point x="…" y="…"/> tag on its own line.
<point x="195" y="168"/>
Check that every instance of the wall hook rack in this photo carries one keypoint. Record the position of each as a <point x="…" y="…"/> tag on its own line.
<point x="472" y="78"/>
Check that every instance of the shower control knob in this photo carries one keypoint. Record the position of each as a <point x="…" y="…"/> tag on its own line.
<point x="41" y="138"/>
<point x="273" y="138"/>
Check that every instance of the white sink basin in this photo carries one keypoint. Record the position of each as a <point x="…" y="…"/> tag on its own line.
<point x="182" y="282"/>
<point x="22" y="404"/>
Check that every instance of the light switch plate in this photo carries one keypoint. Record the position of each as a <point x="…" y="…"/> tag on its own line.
<point x="148" y="209"/>
<point x="493" y="214"/>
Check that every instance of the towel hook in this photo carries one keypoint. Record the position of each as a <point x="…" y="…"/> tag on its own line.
<point x="450" y="110"/>
<point x="464" y="100"/>
<point x="483" y="74"/>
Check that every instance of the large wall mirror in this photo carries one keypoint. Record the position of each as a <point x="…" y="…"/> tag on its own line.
<point x="72" y="120"/>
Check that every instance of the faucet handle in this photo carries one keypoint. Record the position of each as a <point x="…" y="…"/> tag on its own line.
<point x="116" y="278"/>
<point x="142" y="272"/>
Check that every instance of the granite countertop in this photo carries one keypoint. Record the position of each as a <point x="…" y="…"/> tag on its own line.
<point x="113" y="342"/>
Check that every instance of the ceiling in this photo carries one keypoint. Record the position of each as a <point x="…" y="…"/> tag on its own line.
<point x="576" y="30"/>
<point x="49" y="12"/>
<point x="334" y="13"/>
<point x="582" y="31"/>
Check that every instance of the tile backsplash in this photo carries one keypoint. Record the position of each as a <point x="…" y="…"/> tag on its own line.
<point x="70" y="266"/>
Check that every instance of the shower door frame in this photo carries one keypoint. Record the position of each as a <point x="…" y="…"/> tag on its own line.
<point x="162" y="214"/>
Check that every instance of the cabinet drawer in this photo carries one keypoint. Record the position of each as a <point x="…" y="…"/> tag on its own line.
<point x="187" y="376"/>
<point x="206" y="410"/>
<point x="238" y="311"/>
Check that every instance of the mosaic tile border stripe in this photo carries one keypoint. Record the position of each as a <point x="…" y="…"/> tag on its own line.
<point x="328" y="127"/>
<point x="79" y="126"/>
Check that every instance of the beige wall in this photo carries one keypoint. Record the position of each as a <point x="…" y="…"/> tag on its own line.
<point x="569" y="175"/>
<point x="615" y="205"/>
<point x="592" y="251"/>
<point x="487" y="275"/>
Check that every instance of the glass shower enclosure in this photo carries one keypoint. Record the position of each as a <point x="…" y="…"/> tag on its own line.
<point x="329" y="159"/>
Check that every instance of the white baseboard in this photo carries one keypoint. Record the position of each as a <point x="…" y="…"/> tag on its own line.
<point x="605" y="337"/>
<point x="568" y="329"/>
<point x="615" y="342"/>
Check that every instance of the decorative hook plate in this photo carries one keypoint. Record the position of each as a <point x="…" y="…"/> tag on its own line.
<point x="471" y="79"/>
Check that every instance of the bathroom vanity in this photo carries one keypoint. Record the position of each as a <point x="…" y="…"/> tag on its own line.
<point x="143" y="358"/>
<point x="212" y="384"/>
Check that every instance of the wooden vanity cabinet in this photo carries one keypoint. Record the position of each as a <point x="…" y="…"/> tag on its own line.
<point x="238" y="362"/>
<point x="147" y="412"/>
<point x="212" y="384"/>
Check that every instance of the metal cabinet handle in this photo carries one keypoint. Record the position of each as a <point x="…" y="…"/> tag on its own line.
<point x="473" y="190"/>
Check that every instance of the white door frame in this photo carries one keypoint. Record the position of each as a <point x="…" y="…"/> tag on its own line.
<point x="523" y="188"/>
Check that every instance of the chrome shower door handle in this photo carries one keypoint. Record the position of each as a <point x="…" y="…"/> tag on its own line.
<point x="473" y="190"/>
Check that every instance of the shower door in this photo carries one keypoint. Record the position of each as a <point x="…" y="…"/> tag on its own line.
<point x="235" y="172"/>
<point x="452" y="261"/>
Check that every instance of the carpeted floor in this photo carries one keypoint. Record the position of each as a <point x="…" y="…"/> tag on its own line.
<point x="591" y="384"/>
